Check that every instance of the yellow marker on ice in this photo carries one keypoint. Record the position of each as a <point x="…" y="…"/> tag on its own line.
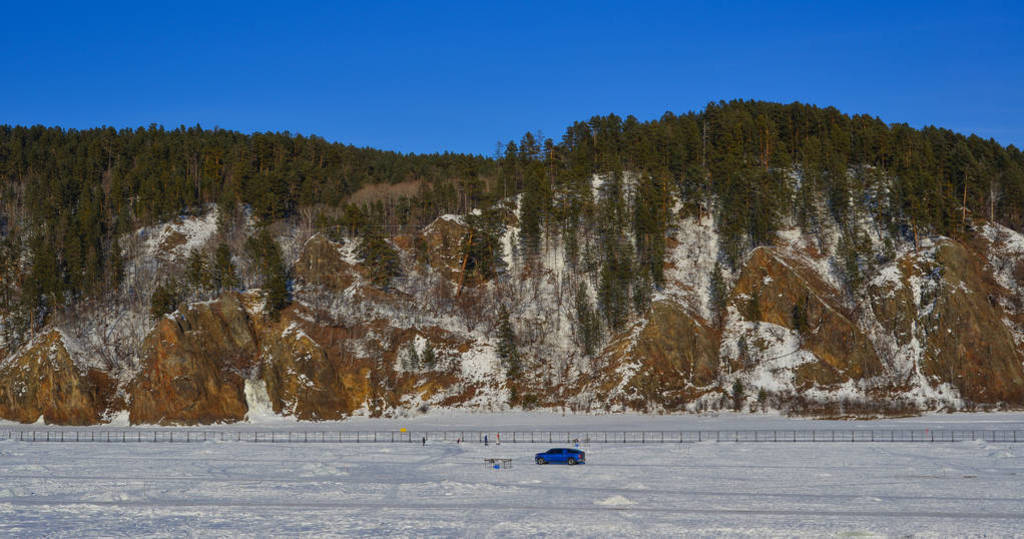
<point x="401" y="429"/>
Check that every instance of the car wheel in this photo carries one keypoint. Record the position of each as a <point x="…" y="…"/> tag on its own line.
<point x="540" y="460"/>
<point x="572" y="461"/>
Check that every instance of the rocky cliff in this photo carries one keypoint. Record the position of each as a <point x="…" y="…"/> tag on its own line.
<point x="44" y="382"/>
<point x="934" y="326"/>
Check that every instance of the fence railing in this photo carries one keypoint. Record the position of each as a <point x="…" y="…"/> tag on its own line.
<point x="532" y="437"/>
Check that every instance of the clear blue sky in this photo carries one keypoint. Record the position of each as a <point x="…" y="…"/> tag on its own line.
<point x="417" y="77"/>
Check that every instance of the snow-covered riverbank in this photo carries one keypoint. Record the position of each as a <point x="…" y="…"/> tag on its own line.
<point x="214" y="488"/>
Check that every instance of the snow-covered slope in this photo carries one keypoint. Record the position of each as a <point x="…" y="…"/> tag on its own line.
<point x="932" y="326"/>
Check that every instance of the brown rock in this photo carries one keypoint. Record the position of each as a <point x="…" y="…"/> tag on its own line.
<point x="321" y="372"/>
<point x="893" y="304"/>
<point x="301" y="379"/>
<point x="444" y="239"/>
<point x="780" y="283"/>
<point x="193" y="366"/>
<point x="969" y="346"/>
<point x="43" y="380"/>
<point x="677" y="356"/>
<point x="321" y="263"/>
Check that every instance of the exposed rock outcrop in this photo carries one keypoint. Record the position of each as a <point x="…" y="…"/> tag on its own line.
<point x="783" y="291"/>
<point x="444" y="240"/>
<point x="301" y="379"/>
<point x="194" y="363"/>
<point x="322" y="262"/>
<point x="938" y="327"/>
<point x="44" y="381"/>
<point x="969" y="345"/>
<point x="317" y="373"/>
<point x="941" y="318"/>
<point x="673" y="360"/>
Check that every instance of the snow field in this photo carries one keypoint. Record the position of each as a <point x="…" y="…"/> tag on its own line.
<point x="232" y="488"/>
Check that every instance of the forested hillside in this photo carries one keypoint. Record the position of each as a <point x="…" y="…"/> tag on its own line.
<point x="623" y="230"/>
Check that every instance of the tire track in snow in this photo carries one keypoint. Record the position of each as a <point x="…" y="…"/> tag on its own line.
<point x="462" y="507"/>
<point x="346" y="480"/>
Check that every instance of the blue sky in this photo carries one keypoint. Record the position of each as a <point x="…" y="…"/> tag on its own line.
<point x="423" y="77"/>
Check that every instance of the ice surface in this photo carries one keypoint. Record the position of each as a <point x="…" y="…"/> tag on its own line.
<point x="238" y="488"/>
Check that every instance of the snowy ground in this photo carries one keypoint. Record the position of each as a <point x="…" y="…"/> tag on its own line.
<point x="444" y="489"/>
<point x="454" y="420"/>
<point x="232" y="488"/>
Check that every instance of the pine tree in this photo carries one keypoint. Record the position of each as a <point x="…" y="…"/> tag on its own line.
<point x="429" y="357"/>
<point x="379" y="257"/>
<point x="531" y="211"/>
<point x="196" y="272"/>
<point x="719" y="294"/>
<point x="642" y="287"/>
<point x="850" y="263"/>
<point x="587" y="322"/>
<point x="744" y="352"/>
<point x="482" y="247"/>
<point x="754" y="306"/>
<point x="737" y="395"/>
<point x="224" y="276"/>
<point x="650" y="222"/>
<point x="799" y="315"/>
<point x="266" y="253"/>
<point x="165" y="298"/>
<point x="508" y="352"/>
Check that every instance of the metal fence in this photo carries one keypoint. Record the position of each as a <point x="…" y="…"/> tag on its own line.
<point x="531" y="437"/>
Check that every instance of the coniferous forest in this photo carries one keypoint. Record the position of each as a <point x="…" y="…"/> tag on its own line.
<point x="67" y="196"/>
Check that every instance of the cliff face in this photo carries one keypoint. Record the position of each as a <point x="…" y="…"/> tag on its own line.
<point x="937" y="327"/>
<point x="44" y="382"/>
<point x="326" y="263"/>
<point x="194" y="366"/>
<point x="785" y="292"/>
<point x="969" y="345"/>
<point x="664" y="362"/>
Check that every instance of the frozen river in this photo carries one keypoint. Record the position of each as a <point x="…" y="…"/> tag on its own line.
<point x="238" y="488"/>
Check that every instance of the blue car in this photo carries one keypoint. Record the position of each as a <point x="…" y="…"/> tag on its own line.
<point x="559" y="454"/>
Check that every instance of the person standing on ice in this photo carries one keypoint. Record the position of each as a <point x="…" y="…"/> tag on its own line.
<point x="424" y="441"/>
<point x="485" y="439"/>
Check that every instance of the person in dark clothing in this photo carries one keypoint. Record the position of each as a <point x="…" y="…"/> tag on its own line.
<point x="485" y="439"/>
<point x="424" y="440"/>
